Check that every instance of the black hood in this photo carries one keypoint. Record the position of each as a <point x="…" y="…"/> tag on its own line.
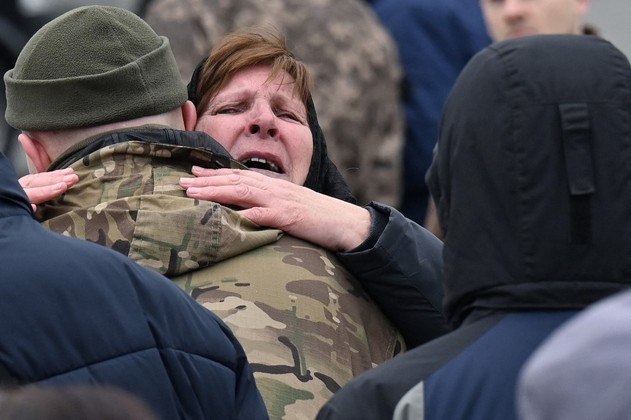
<point x="323" y="176"/>
<point x="532" y="176"/>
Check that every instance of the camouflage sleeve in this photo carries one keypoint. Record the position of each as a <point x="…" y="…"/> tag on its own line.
<point x="304" y="322"/>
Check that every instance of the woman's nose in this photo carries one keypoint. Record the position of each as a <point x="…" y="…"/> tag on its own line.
<point x="263" y="123"/>
<point x="264" y="130"/>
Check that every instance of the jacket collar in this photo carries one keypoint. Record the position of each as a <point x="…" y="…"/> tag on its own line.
<point x="147" y="134"/>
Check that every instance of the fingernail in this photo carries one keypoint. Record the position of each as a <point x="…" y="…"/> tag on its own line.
<point x="196" y="168"/>
<point x="69" y="178"/>
<point x="186" y="181"/>
<point x="192" y="191"/>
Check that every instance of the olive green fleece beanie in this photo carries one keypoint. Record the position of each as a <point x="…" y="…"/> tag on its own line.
<point x="90" y="66"/>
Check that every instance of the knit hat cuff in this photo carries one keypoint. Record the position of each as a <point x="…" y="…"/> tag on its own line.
<point x="153" y="81"/>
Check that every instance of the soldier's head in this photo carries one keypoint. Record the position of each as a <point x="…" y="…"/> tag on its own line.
<point x="507" y="19"/>
<point x="91" y="70"/>
<point x="252" y="96"/>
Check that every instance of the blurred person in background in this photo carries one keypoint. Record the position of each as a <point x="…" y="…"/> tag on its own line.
<point x="435" y="40"/>
<point x="507" y="19"/>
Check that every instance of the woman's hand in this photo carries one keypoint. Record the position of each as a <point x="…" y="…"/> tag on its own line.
<point x="45" y="186"/>
<point x="326" y="221"/>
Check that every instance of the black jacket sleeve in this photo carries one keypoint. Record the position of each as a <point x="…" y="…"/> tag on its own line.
<point x="401" y="270"/>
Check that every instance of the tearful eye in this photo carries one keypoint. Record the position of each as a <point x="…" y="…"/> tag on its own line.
<point x="228" y="111"/>
<point x="260" y="163"/>
<point x="288" y="116"/>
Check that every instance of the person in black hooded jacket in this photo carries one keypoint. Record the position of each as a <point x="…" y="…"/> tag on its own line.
<point x="533" y="186"/>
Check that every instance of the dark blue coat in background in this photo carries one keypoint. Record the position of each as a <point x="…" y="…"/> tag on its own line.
<point x="73" y="312"/>
<point x="533" y="189"/>
<point x="436" y="39"/>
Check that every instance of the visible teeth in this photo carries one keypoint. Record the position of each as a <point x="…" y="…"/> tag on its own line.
<point x="261" y="163"/>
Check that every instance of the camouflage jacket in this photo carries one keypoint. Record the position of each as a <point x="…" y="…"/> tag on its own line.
<point x="305" y="323"/>
<point x="354" y="63"/>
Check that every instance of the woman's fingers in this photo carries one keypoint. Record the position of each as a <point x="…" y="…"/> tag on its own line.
<point x="49" y="178"/>
<point x="38" y="195"/>
<point x="239" y="187"/>
<point x="315" y="217"/>
<point x="46" y="186"/>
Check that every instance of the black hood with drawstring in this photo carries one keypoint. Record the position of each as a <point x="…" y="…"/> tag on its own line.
<point x="532" y="177"/>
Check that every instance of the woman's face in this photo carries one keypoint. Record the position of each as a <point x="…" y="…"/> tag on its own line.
<point x="261" y="123"/>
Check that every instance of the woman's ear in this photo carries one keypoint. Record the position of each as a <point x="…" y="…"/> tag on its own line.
<point x="38" y="159"/>
<point x="189" y="115"/>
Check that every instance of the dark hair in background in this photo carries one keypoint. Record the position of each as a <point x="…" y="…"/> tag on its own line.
<point x="76" y="402"/>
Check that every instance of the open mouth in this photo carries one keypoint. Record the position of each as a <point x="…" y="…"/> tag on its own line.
<point x="260" y="163"/>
